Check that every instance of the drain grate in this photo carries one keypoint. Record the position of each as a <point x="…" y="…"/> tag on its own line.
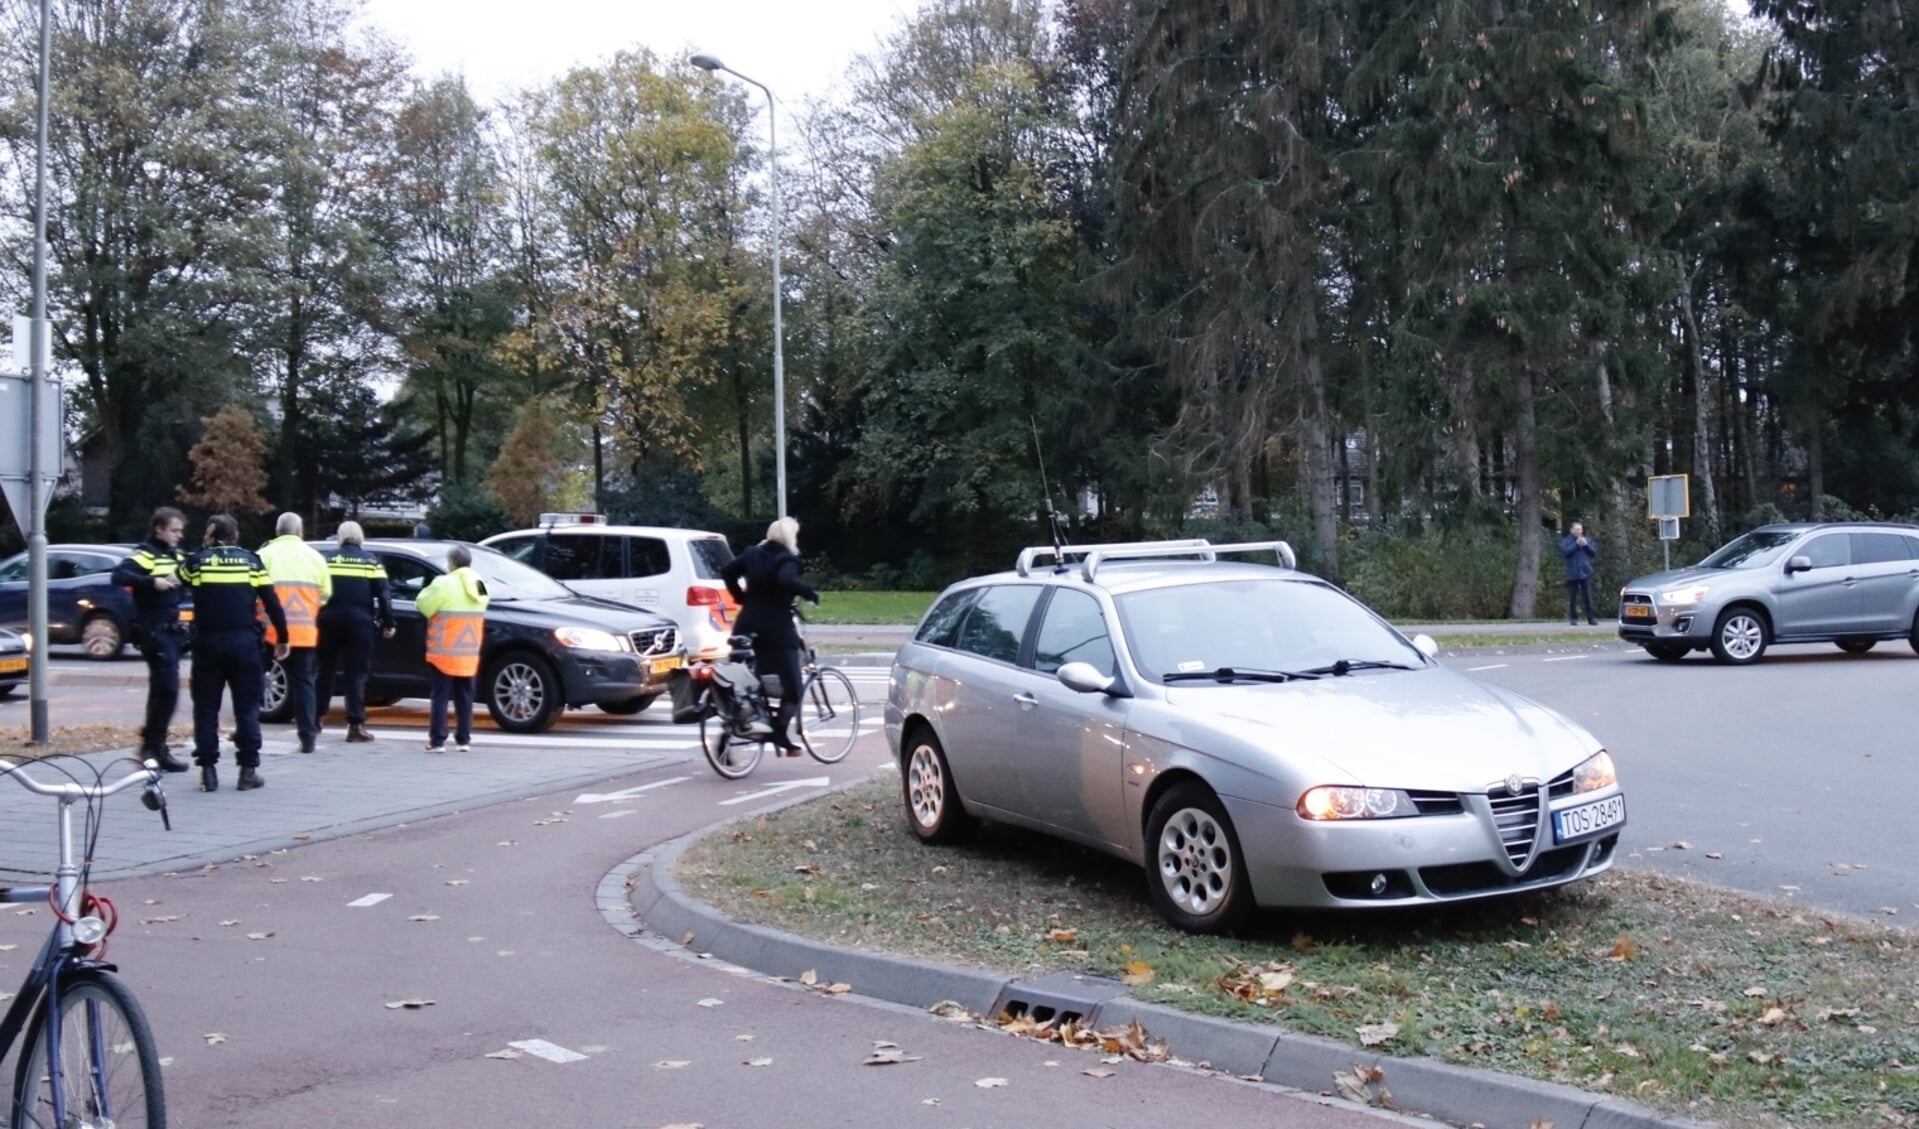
<point x="1060" y="998"/>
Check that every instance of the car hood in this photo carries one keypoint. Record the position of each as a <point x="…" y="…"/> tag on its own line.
<point x="580" y="611"/>
<point x="1691" y="574"/>
<point x="1426" y="729"/>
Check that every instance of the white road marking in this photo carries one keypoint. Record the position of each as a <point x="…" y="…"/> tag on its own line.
<point x="1564" y="659"/>
<point x="618" y="814"/>
<point x="776" y="789"/>
<point x="551" y="1052"/>
<point x="625" y="793"/>
<point x="1495" y="666"/>
<point x="552" y="738"/>
<point x="369" y="900"/>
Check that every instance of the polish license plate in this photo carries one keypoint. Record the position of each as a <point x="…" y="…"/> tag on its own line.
<point x="13" y="666"/>
<point x="1587" y="820"/>
<point x="1638" y="611"/>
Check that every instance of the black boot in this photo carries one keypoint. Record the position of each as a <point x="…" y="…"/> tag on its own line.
<point x="209" y="777"/>
<point x="249" y="780"/>
<point x="167" y="761"/>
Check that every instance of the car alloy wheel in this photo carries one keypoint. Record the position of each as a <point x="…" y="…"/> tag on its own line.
<point x="522" y="694"/>
<point x="101" y="639"/>
<point x="276" y="703"/>
<point x="1739" y="637"/>
<point x="1198" y="876"/>
<point x="932" y="805"/>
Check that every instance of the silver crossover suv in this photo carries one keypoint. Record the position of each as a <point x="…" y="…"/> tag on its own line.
<point x="1251" y="735"/>
<point x="1850" y="583"/>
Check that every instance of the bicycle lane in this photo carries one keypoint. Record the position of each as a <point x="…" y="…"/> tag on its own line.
<point x="269" y="983"/>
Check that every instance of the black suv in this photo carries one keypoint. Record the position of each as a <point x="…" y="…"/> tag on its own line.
<point x="546" y="647"/>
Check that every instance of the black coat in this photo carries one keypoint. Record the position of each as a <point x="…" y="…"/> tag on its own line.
<point x="766" y="579"/>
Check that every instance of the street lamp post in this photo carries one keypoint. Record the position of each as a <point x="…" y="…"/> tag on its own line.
<point x="709" y="63"/>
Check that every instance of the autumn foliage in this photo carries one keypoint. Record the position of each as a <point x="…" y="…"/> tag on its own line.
<point x="229" y="465"/>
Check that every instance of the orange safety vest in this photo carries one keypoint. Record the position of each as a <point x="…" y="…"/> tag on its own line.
<point x="453" y="642"/>
<point x="301" y="600"/>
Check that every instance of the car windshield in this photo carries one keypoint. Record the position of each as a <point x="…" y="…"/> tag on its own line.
<point x="1258" y="625"/>
<point x="508" y="579"/>
<point x="1756" y="549"/>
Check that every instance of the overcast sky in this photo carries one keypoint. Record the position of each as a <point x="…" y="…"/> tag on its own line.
<point x="797" y="47"/>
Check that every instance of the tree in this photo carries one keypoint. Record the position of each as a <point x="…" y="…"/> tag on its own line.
<point x="532" y="464"/>
<point x="362" y="451"/>
<point x="229" y="466"/>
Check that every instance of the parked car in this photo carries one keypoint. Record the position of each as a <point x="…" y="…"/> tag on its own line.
<point x="675" y="572"/>
<point x="1851" y="583"/>
<point x="546" y="648"/>
<point x="84" y="606"/>
<point x="1250" y="734"/>
<point x="13" y="661"/>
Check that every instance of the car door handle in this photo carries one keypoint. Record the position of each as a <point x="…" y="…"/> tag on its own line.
<point x="1026" y="701"/>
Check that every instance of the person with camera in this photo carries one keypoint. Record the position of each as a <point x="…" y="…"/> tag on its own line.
<point x="1580" y="553"/>
<point x="766" y="579"/>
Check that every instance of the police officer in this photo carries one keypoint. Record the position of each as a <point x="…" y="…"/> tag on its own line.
<point x="359" y="606"/>
<point x="301" y="580"/>
<point x="152" y="574"/>
<point x="227" y="583"/>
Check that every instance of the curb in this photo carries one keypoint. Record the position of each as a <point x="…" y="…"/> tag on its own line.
<point x="642" y="895"/>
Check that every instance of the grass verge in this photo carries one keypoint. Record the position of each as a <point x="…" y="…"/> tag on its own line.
<point x="870" y="607"/>
<point x="1685" y="997"/>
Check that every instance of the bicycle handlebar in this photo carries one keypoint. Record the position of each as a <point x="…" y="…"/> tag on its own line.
<point x="147" y="773"/>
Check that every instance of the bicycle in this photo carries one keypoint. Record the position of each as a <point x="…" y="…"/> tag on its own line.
<point x="90" y="1061"/>
<point x="736" y="712"/>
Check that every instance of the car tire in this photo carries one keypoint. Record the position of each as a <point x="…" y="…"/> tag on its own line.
<point x="1668" y="652"/>
<point x="1195" y="871"/>
<point x="276" y="697"/>
<point x="1857" y="646"/>
<point x="1913" y="638"/>
<point x="933" y="807"/>
<point x="522" y="692"/>
<point x="8" y="689"/>
<point x="102" y="639"/>
<point x="1740" y="636"/>
<point x="630" y="706"/>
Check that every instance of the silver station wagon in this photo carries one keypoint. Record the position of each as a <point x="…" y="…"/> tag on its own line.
<point x="1249" y="734"/>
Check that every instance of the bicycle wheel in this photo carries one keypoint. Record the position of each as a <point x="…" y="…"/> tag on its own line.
<point x="828" y="720"/>
<point x="731" y="755"/>
<point x="109" y="1069"/>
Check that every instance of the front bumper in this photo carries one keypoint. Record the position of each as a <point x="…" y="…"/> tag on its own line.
<point x="1668" y="623"/>
<point x="612" y="676"/>
<point x="1426" y="860"/>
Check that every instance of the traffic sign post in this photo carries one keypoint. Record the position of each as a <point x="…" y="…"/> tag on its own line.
<point x="1668" y="498"/>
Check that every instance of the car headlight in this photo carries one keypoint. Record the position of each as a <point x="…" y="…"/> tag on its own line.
<point x="1594" y="773"/>
<point x="1330" y="801"/>
<point x="589" y="639"/>
<point x="1690" y="595"/>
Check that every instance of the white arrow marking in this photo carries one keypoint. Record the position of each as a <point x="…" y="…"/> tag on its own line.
<point x="618" y="814"/>
<point x="776" y="789"/>
<point x="551" y="1052"/>
<point x="625" y="793"/>
<point x="369" y="900"/>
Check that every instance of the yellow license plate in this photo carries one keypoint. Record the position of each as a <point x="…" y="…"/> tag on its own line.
<point x="13" y="666"/>
<point x="1638" y="611"/>
<point x="662" y="666"/>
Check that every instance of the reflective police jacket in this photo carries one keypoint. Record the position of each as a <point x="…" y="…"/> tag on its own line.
<point x="301" y="580"/>
<point x="150" y="562"/>
<point x="359" y="587"/>
<point x="227" y="583"/>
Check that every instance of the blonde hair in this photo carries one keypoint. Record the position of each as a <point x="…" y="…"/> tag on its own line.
<point x="350" y="533"/>
<point x="785" y="532"/>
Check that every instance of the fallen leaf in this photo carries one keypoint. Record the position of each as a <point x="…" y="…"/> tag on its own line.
<point x="684" y="1125"/>
<point x="259" y="936"/>
<point x="410" y="1005"/>
<point x="424" y="917"/>
<point x="1682" y="845"/>
<point x="1373" y="1034"/>
<point x="671" y="1064"/>
<point x="1714" y="855"/>
<point x="214" y="1039"/>
<point x="457" y="881"/>
<point x="1762" y="1058"/>
<point x="837" y="989"/>
<point x="742" y="1038"/>
<point x="311" y="878"/>
<point x="1624" y="949"/>
<point x="687" y="940"/>
<point x="1063" y="936"/>
<point x="1137" y="972"/>
<point x="160" y="920"/>
<point x="889" y="1057"/>
<point x="989" y="1083"/>
<point x="1097" y="1072"/>
<point x="809" y="978"/>
<point x="711" y="1002"/>
<point x="508" y="1053"/>
<point x="1774" y="1016"/>
<point x="230" y="922"/>
<point x="759" y="1062"/>
<point x="8" y="948"/>
<point x="301" y="838"/>
<point x="1755" y="993"/>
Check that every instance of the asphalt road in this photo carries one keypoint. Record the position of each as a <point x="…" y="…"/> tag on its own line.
<point x="268" y="981"/>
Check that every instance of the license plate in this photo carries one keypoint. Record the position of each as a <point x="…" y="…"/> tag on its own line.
<point x="662" y="666"/>
<point x="1638" y="611"/>
<point x="1572" y="824"/>
<point x="13" y="666"/>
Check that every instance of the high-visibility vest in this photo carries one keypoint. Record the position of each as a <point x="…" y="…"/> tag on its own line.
<point x="455" y="609"/>
<point x="301" y="580"/>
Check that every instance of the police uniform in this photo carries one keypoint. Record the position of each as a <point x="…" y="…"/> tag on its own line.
<point x="301" y="581"/>
<point x="227" y="583"/>
<point x="358" y="607"/>
<point x="157" y="631"/>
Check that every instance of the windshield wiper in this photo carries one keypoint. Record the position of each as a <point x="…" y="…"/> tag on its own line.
<point x="1347" y="666"/>
<point x="1227" y="674"/>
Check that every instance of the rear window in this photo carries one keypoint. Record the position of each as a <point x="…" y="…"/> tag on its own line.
<point x="941" y="624"/>
<point x="710" y="555"/>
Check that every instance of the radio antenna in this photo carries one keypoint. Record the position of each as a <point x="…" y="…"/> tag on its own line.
<point x="1052" y="515"/>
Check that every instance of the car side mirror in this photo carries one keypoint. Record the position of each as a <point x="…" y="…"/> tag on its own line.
<point x="1084" y="678"/>
<point x="1798" y="564"/>
<point x="1426" y="645"/>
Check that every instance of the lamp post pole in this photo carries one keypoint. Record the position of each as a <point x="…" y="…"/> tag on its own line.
<point x="709" y="63"/>
<point x="39" y="413"/>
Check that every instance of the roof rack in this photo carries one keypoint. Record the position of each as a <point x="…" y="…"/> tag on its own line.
<point x="1028" y="557"/>
<point x="1089" y="568"/>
